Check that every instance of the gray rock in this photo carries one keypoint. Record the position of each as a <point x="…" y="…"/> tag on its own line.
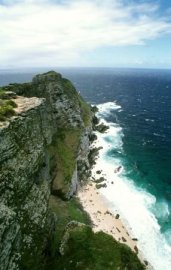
<point x="27" y="165"/>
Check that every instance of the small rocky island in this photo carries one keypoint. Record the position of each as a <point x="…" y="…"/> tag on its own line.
<point x="46" y="129"/>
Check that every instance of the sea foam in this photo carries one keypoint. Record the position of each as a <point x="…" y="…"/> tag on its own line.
<point x="135" y="205"/>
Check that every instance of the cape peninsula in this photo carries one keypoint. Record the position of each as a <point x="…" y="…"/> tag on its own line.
<point x="46" y="132"/>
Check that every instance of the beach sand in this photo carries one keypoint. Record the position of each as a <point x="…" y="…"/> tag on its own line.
<point x="102" y="219"/>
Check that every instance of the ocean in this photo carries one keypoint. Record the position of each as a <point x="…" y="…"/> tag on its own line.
<point x="136" y="105"/>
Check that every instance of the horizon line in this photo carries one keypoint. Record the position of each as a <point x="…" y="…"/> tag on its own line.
<point x="81" y="67"/>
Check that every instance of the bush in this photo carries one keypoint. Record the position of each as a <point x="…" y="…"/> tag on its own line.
<point x="6" y="109"/>
<point x="11" y="103"/>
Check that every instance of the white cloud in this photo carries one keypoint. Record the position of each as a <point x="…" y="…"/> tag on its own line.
<point x="44" y="32"/>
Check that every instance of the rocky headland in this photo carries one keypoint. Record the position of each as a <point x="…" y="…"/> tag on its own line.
<point x="46" y="129"/>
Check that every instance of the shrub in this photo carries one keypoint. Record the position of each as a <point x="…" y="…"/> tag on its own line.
<point x="11" y="103"/>
<point x="2" y="93"/>
<point x="6" y="109"/>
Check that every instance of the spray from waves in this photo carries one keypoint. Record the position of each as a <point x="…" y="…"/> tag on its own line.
<point x="106" y="108"/>
<point x="133" y="203"/>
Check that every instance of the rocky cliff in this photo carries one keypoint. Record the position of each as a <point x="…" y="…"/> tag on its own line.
<point x="43" y="152"/>
<point x="45" y="134"/>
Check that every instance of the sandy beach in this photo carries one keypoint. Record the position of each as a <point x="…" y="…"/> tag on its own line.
<point x="102" y="219"/>
<point x="95" y="204"/>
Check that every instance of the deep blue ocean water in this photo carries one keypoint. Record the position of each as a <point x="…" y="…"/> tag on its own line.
<point x="144" y="115"/>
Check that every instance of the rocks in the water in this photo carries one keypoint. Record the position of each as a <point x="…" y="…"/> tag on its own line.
<point x="94" y="109"/>
<point x="101" y="128"/>
<point x="146" y="262"/>
<point x="134" y="239"/>
<point x="92" y="137"/>
<point x="95" y="121"/>
<point x="93" y="155"/>
<point x="100" y="180"/>
<point x="101" y="185"/>
<point x="118" y="169"/>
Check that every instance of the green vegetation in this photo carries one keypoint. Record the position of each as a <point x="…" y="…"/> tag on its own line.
<point x="70" y="90"/>
<point x="2" y="92"/>
<point x="6" y="108"/>
<point x="85" y="111"/>
<point x="86" y="250"/>
<point x="24" y="89"/>
<point x="66" y="211"/>
<point x="51" y="73"/>
<point x="73" y="95"/>
<point x="63" y="152"/>
<point x="11" y="103"/>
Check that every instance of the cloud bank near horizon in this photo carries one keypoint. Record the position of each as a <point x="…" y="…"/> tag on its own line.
<point x="59" y="33"/>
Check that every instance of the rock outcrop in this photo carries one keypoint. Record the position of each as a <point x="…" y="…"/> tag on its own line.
<point x="43" y="150"/>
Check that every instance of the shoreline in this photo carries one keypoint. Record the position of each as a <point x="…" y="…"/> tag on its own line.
<point x="104" y="220"/>
<point x="103" y="217"/>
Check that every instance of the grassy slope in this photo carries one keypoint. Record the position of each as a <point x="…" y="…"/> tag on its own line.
<point x="86" y="250"/>
<point x="66" y="211"/>
<point x="63" y="152"/>
<point x="73" y="94"/>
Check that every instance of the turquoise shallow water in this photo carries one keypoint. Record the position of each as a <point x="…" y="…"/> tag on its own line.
<point x="144" y="211"/>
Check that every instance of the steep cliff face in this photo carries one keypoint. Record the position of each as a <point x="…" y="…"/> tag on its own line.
<point x="43" y="151"/>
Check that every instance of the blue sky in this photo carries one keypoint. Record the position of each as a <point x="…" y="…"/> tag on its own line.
<point x="109" y="33"/>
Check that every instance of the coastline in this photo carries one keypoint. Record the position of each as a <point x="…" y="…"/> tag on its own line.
<point x="103" y="219"/>
<point x="93" y="202"/>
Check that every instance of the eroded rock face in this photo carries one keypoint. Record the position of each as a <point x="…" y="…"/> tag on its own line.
<point x="24" y="181"/>
<point x="28" y="166"/>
